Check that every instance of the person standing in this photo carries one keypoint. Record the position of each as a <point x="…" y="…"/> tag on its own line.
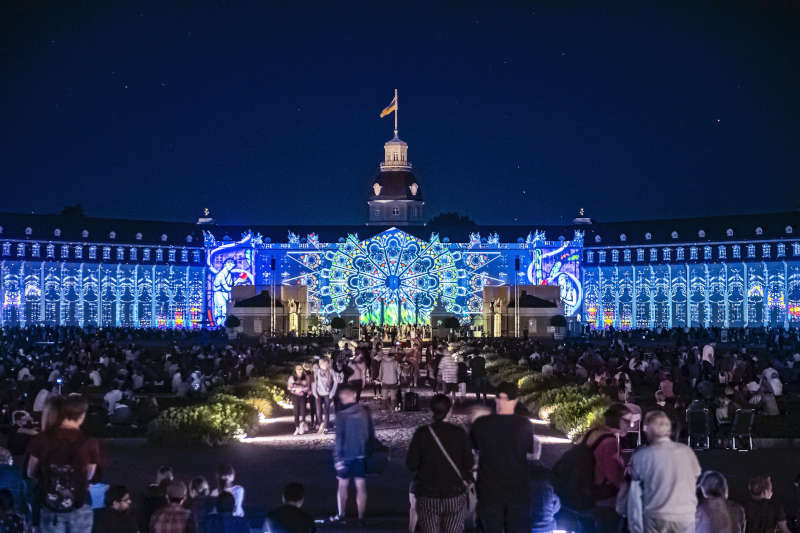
<point x="503" y="441"/>
<point x="298" y="389"/>
<point x="440" y="458"/>
<point x="448" y="375"/>
<point x="480" y="382"/>
<point x="667" y="472"/>
<point x="389" y="376"/>
<point x="354" y="430"/>
<point x="324" y="390"/>
<point x="62" y="460"/>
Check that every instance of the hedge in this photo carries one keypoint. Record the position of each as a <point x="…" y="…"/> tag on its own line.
<point x="221" y="419"/>
<point x="569" y="409"/>
<point x="265" y="394"/>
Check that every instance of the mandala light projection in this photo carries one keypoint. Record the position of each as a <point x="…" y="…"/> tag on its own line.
<point x="393" y="278"/>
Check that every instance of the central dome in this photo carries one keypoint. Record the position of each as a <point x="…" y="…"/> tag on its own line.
<point x="395" y="185"/>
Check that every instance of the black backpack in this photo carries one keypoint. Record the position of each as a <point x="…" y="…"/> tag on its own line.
<point x="63" y="481"/>
<point x="573" y="476"/>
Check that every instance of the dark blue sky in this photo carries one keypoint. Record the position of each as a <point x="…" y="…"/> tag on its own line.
<point x="270" y="115"/>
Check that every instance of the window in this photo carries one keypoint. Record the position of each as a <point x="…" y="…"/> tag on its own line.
<point x="679" y="254"/>
<point x="146" y="254"/>
<point x="195" y="256"/>
<point x="6" y="248"/>
<point x="21" y="249"/>
<point x="35" y="249"/>
<point x="640" y="254"/>
<point x="796" y="249"/>
<point x="376" y="212"/>
<point x="615" y="256"/>
<point x="653" y="254"/>
<point x="396" y="211"/>
<point x="601" y="256"/>
<point x="693" y="253"/>
<point x="93" y="252"/>
<point x="51" y="251"/>
<point x="184" y="255"/>
<point x="132" y="254"/>
<point x="737" y="251"/>
<point x="781" y="250"/>
<point x="721" y="252"/>
<point x="159" y="254"/>
<point x="627" y="255"/>
<point x="751" y="250"/>
<point x="589" y="256"/>
<point x="64" y="251"/>
<point x="707" y="253"/>
<point x="106" y="253"/>
<point x="171" y="255"/>
<point x="78" y="252"/>
<point x="766" y="250"/>
<point x="666" y="254"/>
<point x="120" y="253"/>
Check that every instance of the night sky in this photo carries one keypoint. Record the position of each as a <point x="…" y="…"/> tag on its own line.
<point x="270" y="116"/>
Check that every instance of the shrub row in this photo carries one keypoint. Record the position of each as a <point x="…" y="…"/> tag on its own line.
<point x="223" y="417"/>
<point x="569" y="409"/>
<point x="220" y="420"/>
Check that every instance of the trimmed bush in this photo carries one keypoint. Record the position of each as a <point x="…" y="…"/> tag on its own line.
<point x="222" y="419"/>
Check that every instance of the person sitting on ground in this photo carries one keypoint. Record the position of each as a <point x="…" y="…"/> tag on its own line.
<point x="223" y="521"/>
<point x="545" y="503"/>
<point x="173" y="518"/>
<point x="22" y="431"/>
<point x="290" y="517"/>
<point x="117" y="516"/>
<point x="764" y="514"/>
<point x="716" y="513"/>
<point x="200" y="501"/>
<point x="154" y="497"/>
<point x="226" y="477"/>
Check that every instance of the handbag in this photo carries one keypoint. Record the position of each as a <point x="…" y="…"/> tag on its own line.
<point x="469" y="486"/>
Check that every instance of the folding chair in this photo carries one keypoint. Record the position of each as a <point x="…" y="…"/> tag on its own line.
<point x="698" y="423"/>
<point x="742" y="428"/>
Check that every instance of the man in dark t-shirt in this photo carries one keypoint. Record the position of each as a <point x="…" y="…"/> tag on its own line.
<point x="50" y="452"/>
<point x="503" y="441"/>
<point x="763" y="513"/>
<point x="289" y="517"/>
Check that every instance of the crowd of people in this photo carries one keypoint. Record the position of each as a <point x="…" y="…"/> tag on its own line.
<point x="486" y="474"/>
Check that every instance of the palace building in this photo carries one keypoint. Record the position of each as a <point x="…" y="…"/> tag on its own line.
<point x="728" y="271"/>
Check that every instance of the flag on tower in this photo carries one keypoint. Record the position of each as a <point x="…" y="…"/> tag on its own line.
<point x="391" y="107"/>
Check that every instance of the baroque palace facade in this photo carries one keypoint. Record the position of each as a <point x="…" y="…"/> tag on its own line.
<point x="728" y="271"/>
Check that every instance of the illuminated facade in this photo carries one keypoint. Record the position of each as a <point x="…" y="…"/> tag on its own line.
<point x="714" y="271"/>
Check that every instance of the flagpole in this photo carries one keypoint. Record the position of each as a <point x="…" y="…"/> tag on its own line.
<point x="396" y="107"/>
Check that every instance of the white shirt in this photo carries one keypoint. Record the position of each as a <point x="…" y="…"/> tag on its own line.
<point x="111" y="398"/>
<point x="40" y="400"/>
<point x="94" y="375"/>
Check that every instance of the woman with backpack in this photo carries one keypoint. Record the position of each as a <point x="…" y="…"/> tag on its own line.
<point x="589" y="475"/>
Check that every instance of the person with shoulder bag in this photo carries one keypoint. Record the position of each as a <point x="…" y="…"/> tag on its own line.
<point x="440" y="456"/>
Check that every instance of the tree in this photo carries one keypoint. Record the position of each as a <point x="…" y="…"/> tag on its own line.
<point x="452" y="220"/>
<point x="73" y="211"/>
<point x="558" y="321"/>
<point x="337" y="322"/>
<point x="451" y="322"/>
<point x="232" y="321"/>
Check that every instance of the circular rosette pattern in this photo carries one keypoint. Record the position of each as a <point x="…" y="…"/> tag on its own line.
<point x="393" y="278"/>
